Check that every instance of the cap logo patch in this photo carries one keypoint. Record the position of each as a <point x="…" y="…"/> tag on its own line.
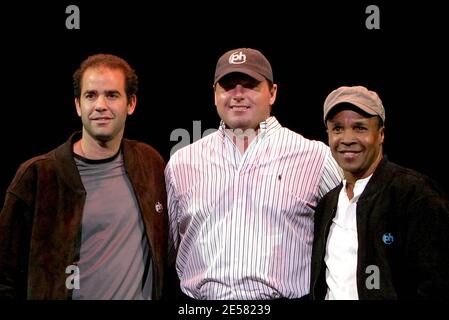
<point x="237" y="57"/>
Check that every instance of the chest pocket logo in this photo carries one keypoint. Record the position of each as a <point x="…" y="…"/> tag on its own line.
<point x="388" y="238"/>
<point x="159" y="207"/>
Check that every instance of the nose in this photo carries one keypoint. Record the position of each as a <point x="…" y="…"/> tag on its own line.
<point x="347" y="138"/>
<point x="238" y="92"/>
<point x="348" y="143"/>
<point x="100" y="104"/>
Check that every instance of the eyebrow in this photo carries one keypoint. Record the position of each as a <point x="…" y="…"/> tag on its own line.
<point x="363" y="122"/>
<point x="112" y="91"/>
<point x="239" y="80"/>
<point x="106" y="92"/>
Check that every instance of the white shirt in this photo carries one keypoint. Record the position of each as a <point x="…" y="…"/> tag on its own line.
<point x="342" y="245"/>
<point x="242" y="225"/>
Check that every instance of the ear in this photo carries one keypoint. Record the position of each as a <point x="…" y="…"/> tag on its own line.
<point x="273" y="93"/>
<point x="78" y="107"/>
<point x="132" y="104"/>
<point x="215" y="94"/>
<point x="382" y="134"/>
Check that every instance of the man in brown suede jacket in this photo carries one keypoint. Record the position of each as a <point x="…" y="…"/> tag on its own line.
<point x="88" y="219"/>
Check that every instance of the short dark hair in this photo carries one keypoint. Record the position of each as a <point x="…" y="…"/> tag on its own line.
<point x="109" y="61"/>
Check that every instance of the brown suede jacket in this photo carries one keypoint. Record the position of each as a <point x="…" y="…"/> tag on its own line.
<point x="40" y="223"/>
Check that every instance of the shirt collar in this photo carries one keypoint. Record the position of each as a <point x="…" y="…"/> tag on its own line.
<point x="266" y="127"/>
<point x="359" y="186"/>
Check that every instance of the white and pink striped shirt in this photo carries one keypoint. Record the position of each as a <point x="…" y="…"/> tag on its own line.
<point x="242" y="225"/>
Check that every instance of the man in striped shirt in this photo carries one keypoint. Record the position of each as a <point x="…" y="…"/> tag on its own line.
<point x="241" y="200"/>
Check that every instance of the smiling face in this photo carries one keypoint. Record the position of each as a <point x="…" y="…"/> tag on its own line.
<point x="242" y="101"/>
<point x="356" y="143"/>
<point x="103" y="105"/>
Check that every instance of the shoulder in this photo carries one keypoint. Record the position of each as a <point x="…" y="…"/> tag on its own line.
<point x="35" y="163"/>
<point x="196" y="148"/>
<point x="406" y="174"/>
<point x="413" y="181"/>
<point x="141" y="149"/>
<point x="29" y="171"/>
<point x="299" y="146"/>
<point x="300" y="140"/>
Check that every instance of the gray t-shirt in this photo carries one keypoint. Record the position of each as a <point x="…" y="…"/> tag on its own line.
<point x="114" y="260"/>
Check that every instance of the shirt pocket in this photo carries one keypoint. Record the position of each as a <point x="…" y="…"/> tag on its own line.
<point x="280" y="192"/>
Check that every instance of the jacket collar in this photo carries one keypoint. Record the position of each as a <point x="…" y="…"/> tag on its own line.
<point x="66" y="165"/>
<point x="381" y="176"/>
<point x="132" y="161"/>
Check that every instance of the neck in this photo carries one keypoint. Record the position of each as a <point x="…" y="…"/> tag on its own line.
<point x="350" y="189"/>
<point x="93" y="149"/>
<point x="242" y="139"/>
<point x="351" y="178"/>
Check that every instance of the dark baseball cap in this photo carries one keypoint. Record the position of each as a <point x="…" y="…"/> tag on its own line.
<point x="244" y="60"/>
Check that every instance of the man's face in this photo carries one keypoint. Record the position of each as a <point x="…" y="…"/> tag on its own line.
<point x="103" y="105"/>
<point x="242" y="101"/>
<point x="355" y="142"/>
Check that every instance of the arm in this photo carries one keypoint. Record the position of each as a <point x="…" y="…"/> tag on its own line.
<point x="427" y="246"/>
<point x="172" y="202"/>
<point x="15" y="222"/>
<point x="173" y="235"/>
<point x="331" y="175"/>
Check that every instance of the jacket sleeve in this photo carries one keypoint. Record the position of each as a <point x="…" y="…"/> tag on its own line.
<point x="427" y="249"/>
<point x="14" y="246"/>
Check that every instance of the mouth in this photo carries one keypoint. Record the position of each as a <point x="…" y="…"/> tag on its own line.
<point x="101" y="120"/>
<point x="349" y="155"/>
<point x="239" y="108"/>
<point x="349" y="151"/>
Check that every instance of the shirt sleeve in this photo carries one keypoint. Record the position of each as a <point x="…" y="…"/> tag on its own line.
<point x="332" y="175"/>
<point x="172" y="201"/>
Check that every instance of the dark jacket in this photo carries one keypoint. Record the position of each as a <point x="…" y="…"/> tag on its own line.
<point x="403" y="229"/>
<point x="40" y="223"/>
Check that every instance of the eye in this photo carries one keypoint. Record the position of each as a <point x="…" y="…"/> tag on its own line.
<point x="227" y="86"/>
<point x="247" y="82"/>
<point x="337" y="129"/>
<point x="250" y="83"/>
<point x="89" y="95"/>
<point x="113" y="95"/>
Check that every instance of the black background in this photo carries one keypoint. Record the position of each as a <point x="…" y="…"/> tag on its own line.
<point x="313" y="48"/>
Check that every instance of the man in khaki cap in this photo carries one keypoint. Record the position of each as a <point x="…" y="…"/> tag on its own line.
<point x="241" y="200"/>
<point x="383" y="233"/>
